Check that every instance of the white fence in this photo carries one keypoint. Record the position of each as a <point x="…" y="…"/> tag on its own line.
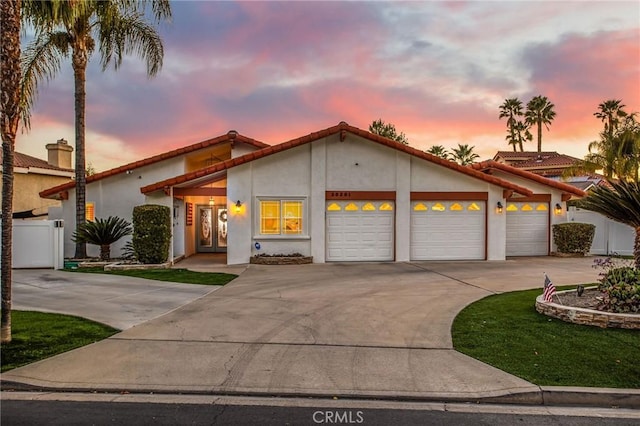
<point x="38" y="244"/>
<point x="611" y="237"/>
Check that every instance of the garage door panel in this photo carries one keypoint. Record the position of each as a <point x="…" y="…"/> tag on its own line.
<point x="527" y="230"/>
<point x="364" y="235"/>
<point x="450" y="234"/>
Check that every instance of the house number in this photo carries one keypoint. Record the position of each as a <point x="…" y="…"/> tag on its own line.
<point x="341" y="194"/>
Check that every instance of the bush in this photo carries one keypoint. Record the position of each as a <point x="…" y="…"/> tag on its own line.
<point x="103" y="233"/>
<point x="621" y="288"/>
<point x="573" y="237"/>
<point x="151" y="233"/>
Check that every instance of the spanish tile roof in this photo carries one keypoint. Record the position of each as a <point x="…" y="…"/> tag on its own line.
<point x="553" y="162"/>
<point x="229" y="137"/>
<point x="490" y="164"/>
<point x="522" y="156"/>
<point x="341" y="128"/>
<point x="26" y="161"/>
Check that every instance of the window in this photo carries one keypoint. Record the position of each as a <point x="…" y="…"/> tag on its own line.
<point x="473" y="207"/>
<point x="368" y="207"/>
<point x="456" y="207"/>
<point x="351" y="207"/>
<point x="281" y="217"/>
<point x="438" y="207"/>
<point x="90" y="212"/>
<point x="420" y="207"/>
<point x="334" y="207"/>
<point x="386" y="207"/>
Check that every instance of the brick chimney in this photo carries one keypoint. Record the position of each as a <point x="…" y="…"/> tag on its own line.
<point x="59" y="154"/>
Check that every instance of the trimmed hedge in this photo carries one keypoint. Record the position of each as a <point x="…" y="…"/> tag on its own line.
<point x="151" y="233"/>
<point x="572" y="237"/>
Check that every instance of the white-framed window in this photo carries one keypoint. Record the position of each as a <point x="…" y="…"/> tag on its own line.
<point x="284" y="217"/>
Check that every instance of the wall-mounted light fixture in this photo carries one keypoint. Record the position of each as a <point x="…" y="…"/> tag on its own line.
<point x="557" y="209"/>
<point x="211" y="202"/>
<point x="238" y="206"/>
<point x="499" y="207"/>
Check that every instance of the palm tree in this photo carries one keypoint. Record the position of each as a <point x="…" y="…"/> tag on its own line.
<point x="464" y="155"/>
<point x="617" y="154"/>
<point x="621" y="203"/>
<point x="103" y="233"/>
<point x="9" y="118"/>
<point x="115" y="28"/>
<point x="610" y="112"/>
<point x="539" y="111"/>
<point x="517" y="131"/>
<point x="439" y="151"/>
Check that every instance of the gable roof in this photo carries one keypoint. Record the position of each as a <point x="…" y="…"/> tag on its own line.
<point x="546" y="163"/>
<point x="490" y="164"/>
<point x="231" y="136"/>
<point x="342" y="129"/>
<point x="26" y="161"/>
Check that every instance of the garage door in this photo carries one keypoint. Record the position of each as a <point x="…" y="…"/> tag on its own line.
<point x="360" y="231"/>
<point x="448" y="230"/>
<point x="527" y="229"/>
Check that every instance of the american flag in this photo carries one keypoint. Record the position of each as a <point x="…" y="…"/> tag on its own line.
<point x="549" y="289"/>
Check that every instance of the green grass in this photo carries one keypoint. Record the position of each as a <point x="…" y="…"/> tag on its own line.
<point x="171" y="275"/>
<point x="37" y="335"/>
<point x="506" y="331"/>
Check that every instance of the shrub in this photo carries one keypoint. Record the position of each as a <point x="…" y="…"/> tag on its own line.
<point x="620" y="286"/>
<point x="103" y="233"/>
<point x="573" y="237"/>
<point x="151" y="233"/>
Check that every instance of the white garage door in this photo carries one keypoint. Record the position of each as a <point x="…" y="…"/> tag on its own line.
<point x="527" y="229"/>
<point x="360" y="231"/>
<point x="448" y="230"/>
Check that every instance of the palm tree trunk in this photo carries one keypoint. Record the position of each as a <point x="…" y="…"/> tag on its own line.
<point x="80" y="60"/>
<point x="636" y="249"/>
<point x="10" y="117"/>
<point x="539" y="136"/>
<point x="105" y="252"/>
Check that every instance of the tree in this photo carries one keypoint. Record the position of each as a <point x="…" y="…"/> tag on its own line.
<point x="9" y="120"/>
<point x="439" y="151"/>
<point x="115" y="28"/>
<point x="539" y="111"/>
<point x="464" y="155"/>
<point x="517" y="131"/>
<point x="103" y="233"/>
<point x="388" y="131"/>
<point x="610" y="112"/>
<point x="617" y="154"/>
<point x="620" y="202"/>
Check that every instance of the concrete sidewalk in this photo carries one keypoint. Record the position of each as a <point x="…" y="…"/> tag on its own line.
<point x="377" y="330"/>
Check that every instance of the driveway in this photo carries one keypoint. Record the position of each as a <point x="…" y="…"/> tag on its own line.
<point x="118" y="301"/>
<point x="376" y="329"/>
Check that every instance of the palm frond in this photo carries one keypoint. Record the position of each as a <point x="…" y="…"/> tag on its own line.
<point x="620" y="202"/>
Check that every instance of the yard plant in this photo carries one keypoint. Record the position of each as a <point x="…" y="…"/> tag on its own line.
<point x="573" y="237"/>
<point x="151" y="233"/>
<point x="505" y="331"/>
<point x="103" y="233"/>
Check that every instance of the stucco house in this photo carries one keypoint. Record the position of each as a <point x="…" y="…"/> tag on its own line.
<point x="339" y="194"/>
<point x="32" y="175"/>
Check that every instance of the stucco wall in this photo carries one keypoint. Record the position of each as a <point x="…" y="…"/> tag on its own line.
<point x="27" y="186"/>
<point x="117" y="196"/>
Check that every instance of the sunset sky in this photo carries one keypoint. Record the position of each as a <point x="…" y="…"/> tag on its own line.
<point x="275" y="71"/>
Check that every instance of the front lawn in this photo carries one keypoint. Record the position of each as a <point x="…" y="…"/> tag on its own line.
<point x="38" y="335"/>
<point x="506" y="331"/>
<point x="171" y="275"/>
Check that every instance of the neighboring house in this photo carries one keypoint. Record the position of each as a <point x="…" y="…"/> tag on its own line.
<point x="547" y="164"/>
<point x="32" y="175"/>
<point x="339" y="194"/>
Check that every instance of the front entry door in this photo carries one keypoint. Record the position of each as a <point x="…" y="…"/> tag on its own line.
<point x="211" y="233"/>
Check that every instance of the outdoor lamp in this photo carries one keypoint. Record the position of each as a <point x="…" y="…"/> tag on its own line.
<point x="238" y="205"/>
<point x="558" y="209"/>
<point x="499" y="207"/>
<point x="211" y="201"/>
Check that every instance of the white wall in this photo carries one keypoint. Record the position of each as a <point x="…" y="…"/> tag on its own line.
<point x="611" y="237"/>
<point x="117" y="196"/>
<point x="37" y="244"/>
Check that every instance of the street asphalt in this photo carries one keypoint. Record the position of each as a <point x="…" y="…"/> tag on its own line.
<point x="354" y="330"/>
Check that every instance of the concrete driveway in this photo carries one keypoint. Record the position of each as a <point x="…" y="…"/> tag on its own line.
<point x="118" y="301"/>
<point x="377" y="329"/>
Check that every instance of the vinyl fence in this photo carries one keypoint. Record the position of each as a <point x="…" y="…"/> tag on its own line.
<point x="611" y="237"/>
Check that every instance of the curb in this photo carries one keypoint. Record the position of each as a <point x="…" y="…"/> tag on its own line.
<point x="546" y="396"/>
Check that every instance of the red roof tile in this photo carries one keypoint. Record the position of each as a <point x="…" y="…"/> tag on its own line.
<point x="26" y="161"/>
<point x="229" y="137"/>
<point x="325" y="133"/>
<point x="490" y="164"/>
